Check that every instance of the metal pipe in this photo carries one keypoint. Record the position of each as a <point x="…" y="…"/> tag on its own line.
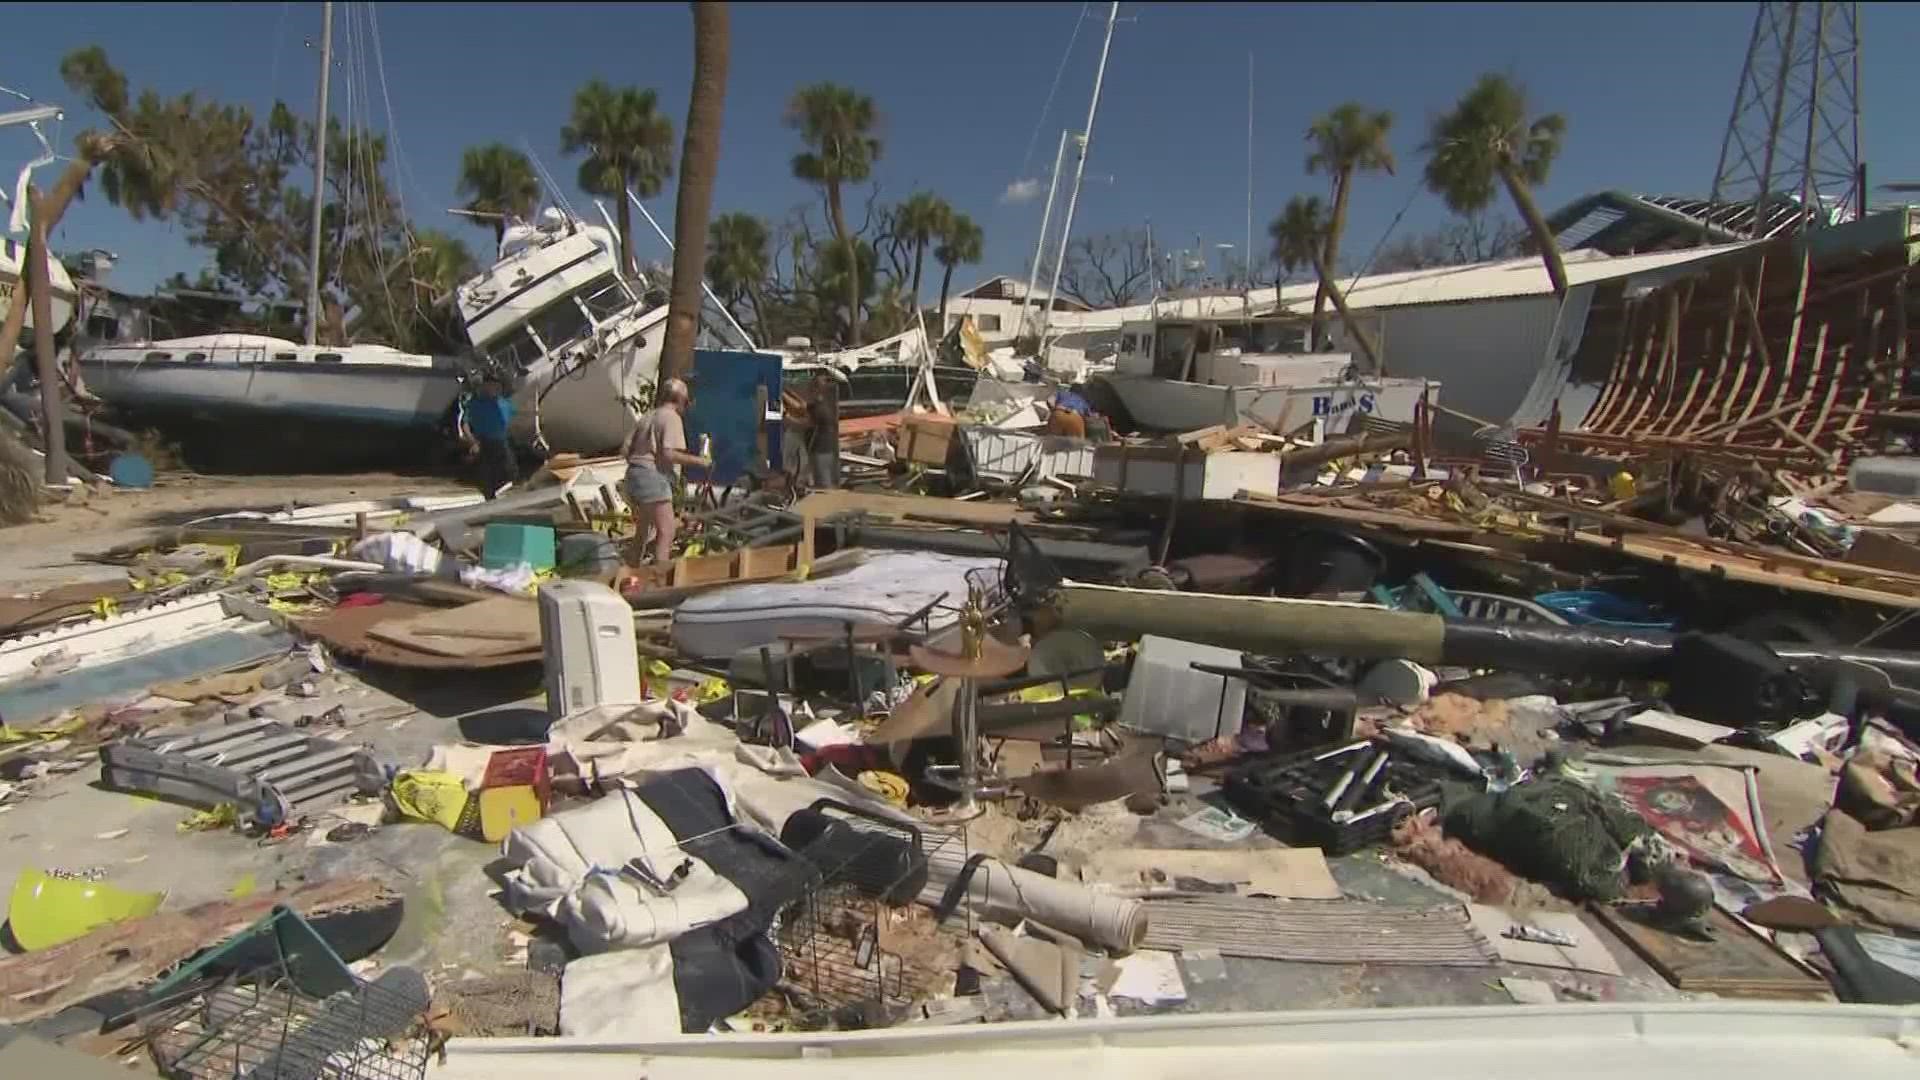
<point x="319" y="174"/>
<point x="704" y="287"/>
<point x="1079" y="172"/>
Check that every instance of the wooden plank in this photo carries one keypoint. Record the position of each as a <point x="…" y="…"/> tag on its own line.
<point x="1735" y="963"/>
<point x="1815" y="370"/>
<point x="1620" y="376"/>
<point x="1408" y="523"/>
<point x="1716" y="396"/>
<point x="1735" y="568"/>
<point x="824" y="504"/>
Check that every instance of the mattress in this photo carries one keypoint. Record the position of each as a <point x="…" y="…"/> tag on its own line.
<point x="887" y="588"/>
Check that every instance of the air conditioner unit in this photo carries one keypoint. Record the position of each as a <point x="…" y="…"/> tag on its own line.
<point x="586" y="637"/>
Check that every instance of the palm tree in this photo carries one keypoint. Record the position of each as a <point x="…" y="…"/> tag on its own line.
<point x="499" y="180"/>
<point x="836" y="123"/>
<point x="700" y="163"/>
<point x="960" y="242"/>
<point x="628" y="143"/>
<point x="1486" y="137"/>
<point x="738" y="261"/>
<point x="919" y="222"/>
<point x="1300" y="239"/>
<point x="1346" y="141"/>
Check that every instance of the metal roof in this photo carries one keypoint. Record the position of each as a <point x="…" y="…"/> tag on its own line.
<point x="1505" y="279"/>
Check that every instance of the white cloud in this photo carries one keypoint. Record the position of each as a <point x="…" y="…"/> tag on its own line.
<point x="1021" y="191"/>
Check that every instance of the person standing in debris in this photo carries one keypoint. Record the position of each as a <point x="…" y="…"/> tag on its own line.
<point x="488" y="414"/>
<point x="657" y="444"/>
<point x="805" y="418"/>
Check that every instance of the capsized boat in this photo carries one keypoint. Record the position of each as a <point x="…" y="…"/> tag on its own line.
<point x="580" y="340"/>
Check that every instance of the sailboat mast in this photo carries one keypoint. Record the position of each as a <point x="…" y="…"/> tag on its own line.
<point x="1079" y="172"/>
<point x="1040" y="247"/>
<point x="319" y="175"/>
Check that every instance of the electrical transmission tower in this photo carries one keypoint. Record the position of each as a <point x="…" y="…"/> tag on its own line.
<point x="1795" y="130"/>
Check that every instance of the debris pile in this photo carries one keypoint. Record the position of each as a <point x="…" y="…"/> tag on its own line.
<point x="900" y="753"/>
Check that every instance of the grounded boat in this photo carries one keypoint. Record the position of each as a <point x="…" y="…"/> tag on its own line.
<point x="1189" y="373"/>
<point x="250" y="392"/>
<point x="579" y="340"/>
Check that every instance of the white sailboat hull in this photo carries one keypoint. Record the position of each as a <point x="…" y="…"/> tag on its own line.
<point x="584" y="408"/>
<point x="1170" y="405"/>
<point x="369" y="395"/>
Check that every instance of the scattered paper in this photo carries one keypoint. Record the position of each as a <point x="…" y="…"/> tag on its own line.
<point x="1681" y="728"/>
<point x="1528" y="991"/>
<point x="1587" y="953"/>
<point x="824" y="733"/>
<point x="1150" y="977"/>
<point x="1216" y="824"/>
<point x="113" y="834"/>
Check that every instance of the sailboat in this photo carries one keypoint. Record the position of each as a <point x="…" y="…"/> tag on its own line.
<point x="243" y="393"/>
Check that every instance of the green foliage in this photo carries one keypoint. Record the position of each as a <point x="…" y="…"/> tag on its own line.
<point x="233" y="183"/>
<point x="497" y="179"/>
<point x="1299" y="234"/>
<point x="1486" y="133"/>
<point x="738" y="260"/>
<point x="1349" y="139"/>
<point x="837" y="124"/>
<point x="627" y="140"/>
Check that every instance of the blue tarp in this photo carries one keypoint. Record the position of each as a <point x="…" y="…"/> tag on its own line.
<point x="723" y="407"/>
<point x="30" y="700"/>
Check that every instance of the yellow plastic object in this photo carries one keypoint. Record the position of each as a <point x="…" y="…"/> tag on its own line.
<point x="711" y="690"/>
<point x="1622" y="486"/>
<point x="45" y="911"/>
<point x="429" y="795"/>
<point x="222" y="816"/>
<point x="504" y="809"/>
<point x="889" y="786"/>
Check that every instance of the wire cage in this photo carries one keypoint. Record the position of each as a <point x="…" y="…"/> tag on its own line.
<point x="856" y="950"/>
<point x="276" y="1003"/>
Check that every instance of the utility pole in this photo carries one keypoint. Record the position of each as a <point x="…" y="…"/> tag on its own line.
<point x="53" y="417"/>
<point x="319" y="175"/>
<point x="1795" y="128"/>
<point x="1079" y="172"/>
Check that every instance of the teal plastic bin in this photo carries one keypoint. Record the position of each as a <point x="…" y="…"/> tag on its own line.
<point x="510" y="545"/>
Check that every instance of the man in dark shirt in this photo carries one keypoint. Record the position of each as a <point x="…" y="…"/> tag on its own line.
<point x="488" y="415"/>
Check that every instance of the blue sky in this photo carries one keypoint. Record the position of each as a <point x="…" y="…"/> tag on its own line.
<point x="1646" y="89"/>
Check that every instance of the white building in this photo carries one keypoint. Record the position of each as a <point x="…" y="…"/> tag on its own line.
<point x="994" y="306"/>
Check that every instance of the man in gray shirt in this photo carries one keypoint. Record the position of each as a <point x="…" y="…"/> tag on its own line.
<point x="657" y="444"/>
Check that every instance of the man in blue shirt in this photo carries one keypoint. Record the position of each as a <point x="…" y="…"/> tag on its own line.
<point x="488" y="415"/>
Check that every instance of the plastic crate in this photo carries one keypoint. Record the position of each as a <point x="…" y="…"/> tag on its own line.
<point x="508" y="545"/>
<point x="1285" y="797"/>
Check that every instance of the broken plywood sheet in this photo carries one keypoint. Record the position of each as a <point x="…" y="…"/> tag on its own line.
<point x="492" y="627"/>
<point x="1587" y="953"/>
<point x="1295" y="873"/>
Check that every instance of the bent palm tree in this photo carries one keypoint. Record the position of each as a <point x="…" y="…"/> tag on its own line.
<point x="960" y="242"/>
<point x="628" y="145"/>
<point x="1299" y="237"/>
<point x="737" y="263"/>
<point x="699" y="163"/>
<point x="1487" y="137"/>
<point x="497" y="179"/>
<point x="836" y="123"/>
<point x="1346" y="141"/>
